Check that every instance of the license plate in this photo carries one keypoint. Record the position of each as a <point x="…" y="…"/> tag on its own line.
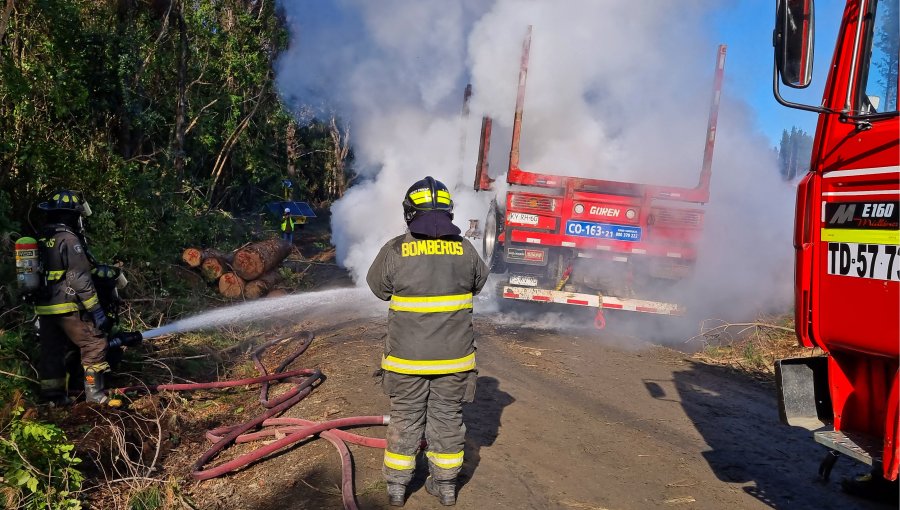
<point x="528" y="281"/>
<point x="523" y="219"/>
<point x="603" y="231"/>
<point x="875" y="261"/>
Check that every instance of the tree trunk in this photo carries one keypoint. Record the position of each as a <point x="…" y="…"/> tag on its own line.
<point x="231" y="285"/>
<point x="262" y="285"/>
<point x="276" y="293"/>
<point x="256" y="259"/>
<point x="181" y="100"/>
<point x="337" y="184"/>
<point x="213" y="268"/>
<point x="194" y="257"/>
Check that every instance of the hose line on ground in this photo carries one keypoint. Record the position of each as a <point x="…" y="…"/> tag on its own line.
<point x="287" y="430"/>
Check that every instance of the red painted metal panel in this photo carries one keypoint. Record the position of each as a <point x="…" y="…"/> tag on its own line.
<point x="549" y="239"/>
<point x="891" y="455"/>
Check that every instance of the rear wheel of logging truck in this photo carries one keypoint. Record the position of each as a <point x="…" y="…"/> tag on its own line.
<point x="604" y="245"/>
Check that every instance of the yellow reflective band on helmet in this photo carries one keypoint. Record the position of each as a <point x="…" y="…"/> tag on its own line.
<point x="443" y="197"/>
<point x="52" y="276"/>
<point x="446" y="460"/>
<point x="397" y="461"/>
<point x="428" y="367"/>
<point x="431" y="304"/>
<point x="420" y="197"/>
<point x="66" y="199"/>
<point x="55" y="309"/>
<point x="91" y="302"/>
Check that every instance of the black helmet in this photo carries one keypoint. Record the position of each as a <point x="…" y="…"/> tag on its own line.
<point x="426" y="195"/>
<point x="66" y="201"/>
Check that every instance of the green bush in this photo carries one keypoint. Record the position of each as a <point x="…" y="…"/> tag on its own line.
<point x="38" y="466"/>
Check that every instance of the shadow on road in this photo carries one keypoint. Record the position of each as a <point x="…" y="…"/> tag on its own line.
<point x="482" y="419"/>
<point x="737" y="417"/>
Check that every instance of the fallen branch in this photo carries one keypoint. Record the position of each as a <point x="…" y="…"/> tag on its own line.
<point x="29" y="379"/>
<point x="725" y="326"/>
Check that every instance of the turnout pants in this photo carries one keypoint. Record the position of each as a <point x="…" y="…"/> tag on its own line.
<point x="429" y="404"/>
<point x="56" y="331"/>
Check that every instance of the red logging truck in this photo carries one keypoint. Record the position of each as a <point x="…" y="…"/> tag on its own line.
<point x="846" y="237"/>
<point x="591" y="242"/>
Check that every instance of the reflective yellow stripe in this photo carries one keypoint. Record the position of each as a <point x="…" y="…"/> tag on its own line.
<point x="420" y="197"/>
<point x="52" y="276"/>
<point x="397" y="461"/>
<point x="443" y="197"/>
<point x="431" y="304"/>
<point x="864" y="236"/>
<point x="446" y="460"/>
<point x="56" y="309"/>
<point x="91" y="302"/>
<point x="53" y="384"/>
<point x="428" y="367"/>
<point x="97" y="367"/>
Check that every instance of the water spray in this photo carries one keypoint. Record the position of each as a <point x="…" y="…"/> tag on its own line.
<point x="271" y="308"/>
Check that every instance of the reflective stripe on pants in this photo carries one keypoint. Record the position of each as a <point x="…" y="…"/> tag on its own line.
<point x="431" y="405"/>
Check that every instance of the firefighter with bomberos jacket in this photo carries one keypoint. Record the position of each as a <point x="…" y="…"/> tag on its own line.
<point x="68" y="306"/>
<point x="429" y="275"/>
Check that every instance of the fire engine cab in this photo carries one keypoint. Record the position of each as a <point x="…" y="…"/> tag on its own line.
<point x="847" y="237"/>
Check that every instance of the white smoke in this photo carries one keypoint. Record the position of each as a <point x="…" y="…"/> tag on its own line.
<point x="616" y="90"/>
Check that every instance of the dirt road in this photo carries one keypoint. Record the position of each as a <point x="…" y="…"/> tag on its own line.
<point x="578" y="421"/>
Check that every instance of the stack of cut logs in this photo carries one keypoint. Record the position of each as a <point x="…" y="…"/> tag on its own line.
<point x="249" y="272"/>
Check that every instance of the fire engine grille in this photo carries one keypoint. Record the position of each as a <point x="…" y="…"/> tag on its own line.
<point x="531" y="202"/>
<point x="678" y="218"/>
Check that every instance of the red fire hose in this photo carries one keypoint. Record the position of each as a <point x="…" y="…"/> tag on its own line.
<point x="292" y="429"/>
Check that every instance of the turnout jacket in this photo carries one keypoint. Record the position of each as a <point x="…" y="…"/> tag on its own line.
<point x="429" y="283"/>
<point x="67" y="273"/>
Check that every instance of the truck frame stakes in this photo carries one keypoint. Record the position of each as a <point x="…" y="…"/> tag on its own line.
<point x="591" y="242"/>
<point x="846" y="237"/>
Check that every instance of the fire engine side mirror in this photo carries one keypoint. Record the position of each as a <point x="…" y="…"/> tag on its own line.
<point x="793" y="40"/>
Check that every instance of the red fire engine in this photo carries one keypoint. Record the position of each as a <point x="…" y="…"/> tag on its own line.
<point x="592" y="242"/>
<point x="846" y="237"/>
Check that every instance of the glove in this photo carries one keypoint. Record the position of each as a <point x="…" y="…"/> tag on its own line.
<point x="126" y="338"/>
<point x="101" y="320"/>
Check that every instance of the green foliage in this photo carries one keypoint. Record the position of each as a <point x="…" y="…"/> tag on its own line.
<point x="12" y="347"/>
<point x="794" y="153"/>
<point x="164" y="114"/>
<point x="149" y="498"/>
<point x="38" y="465"/>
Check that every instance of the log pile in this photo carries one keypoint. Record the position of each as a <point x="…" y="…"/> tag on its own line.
<point x="249" y="272"/>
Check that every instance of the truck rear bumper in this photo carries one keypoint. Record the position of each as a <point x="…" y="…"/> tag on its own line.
<point x="591" y="300"/>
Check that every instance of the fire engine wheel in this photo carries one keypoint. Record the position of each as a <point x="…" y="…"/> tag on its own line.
<point x="491" y="249"/>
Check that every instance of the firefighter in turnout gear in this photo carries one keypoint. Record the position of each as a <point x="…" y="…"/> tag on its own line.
<point x="68" y="307"/>
<point x="429" y="275"/>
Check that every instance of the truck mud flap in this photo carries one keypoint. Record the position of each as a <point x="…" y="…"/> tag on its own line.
<point x="803" y="398"/>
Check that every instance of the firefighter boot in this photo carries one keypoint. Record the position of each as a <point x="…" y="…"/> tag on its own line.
<point x="396" y="494"/>
<point x="54" y="392"/>
<point x="444" y="490"/>
<point x="93" y="386"/>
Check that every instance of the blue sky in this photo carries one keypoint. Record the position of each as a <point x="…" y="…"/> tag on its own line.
<point x="746" y="27"/>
